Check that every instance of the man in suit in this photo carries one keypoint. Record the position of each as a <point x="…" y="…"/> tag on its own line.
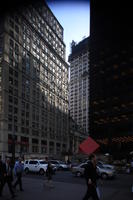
<point x="2" y="176"/>
<point x="7" y="176"/>
<point x="91" y="177"/>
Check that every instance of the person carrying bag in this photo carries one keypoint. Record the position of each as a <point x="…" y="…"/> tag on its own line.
<point x="91" y="177"/>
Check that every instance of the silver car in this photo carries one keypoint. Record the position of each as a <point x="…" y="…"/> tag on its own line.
<point x="79" y="170"/>
<point x="60" y="165"/>
<point x="103" y="172"/>
<point x="106" y="172"/>
<point x="102" y="164"/>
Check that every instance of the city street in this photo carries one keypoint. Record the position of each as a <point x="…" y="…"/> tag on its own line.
<point x="66" y="186"/>
<point x="66" y="99"/>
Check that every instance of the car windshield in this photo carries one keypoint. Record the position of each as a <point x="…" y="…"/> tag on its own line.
<point x="108" y="168"/>
<point x="43" y="162"/>
<point x="105" y="167"/>
<point x="61" y="162"/>
<point x="100" y="166"/>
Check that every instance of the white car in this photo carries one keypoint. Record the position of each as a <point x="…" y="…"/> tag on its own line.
<point x="39" y="166"/>
<point x="60" y="165"/>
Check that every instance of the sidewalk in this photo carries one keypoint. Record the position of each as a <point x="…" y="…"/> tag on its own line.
<point x="34" y="189"/>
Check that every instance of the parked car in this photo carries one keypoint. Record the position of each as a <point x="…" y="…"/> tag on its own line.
<point x="60" y="165"/>
<point x="39" y="166"/>
<point x="102" y="164"/>
<point x="79" y="170"/>
<point x="74" y="164"/>
<point x="106" y="172"/>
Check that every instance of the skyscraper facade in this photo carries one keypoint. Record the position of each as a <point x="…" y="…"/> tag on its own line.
<point x="111" y="75"/>
<point x="33" y="83"/>
<point x="79" y="84"/>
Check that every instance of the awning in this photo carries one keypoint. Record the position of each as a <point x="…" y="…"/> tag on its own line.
<point x="88" y="146"/>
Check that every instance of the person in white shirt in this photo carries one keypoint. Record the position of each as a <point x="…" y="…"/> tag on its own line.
<point x="18" y="169"/>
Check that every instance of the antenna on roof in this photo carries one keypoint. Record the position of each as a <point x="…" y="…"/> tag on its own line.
<point x="83" y="37"/>
<point x="73" y="44"/>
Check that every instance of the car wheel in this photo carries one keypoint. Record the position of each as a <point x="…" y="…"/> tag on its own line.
<point x="26" y="170"/>
<point x="60" y="168"/>
<point x="41" y="172"/>
<point x="104" y="176"/>
<point x="78" y="174"/>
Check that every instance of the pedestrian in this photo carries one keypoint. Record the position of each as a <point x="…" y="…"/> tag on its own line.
<point x="131" y="165"/>
<point x="7" y="176"/>
<point x="49" y="174"/>
<point x="68" y="163"/>
<point x="18" y="170"/>
<point x="2" y="176"/>
<point x="91" y="177"/>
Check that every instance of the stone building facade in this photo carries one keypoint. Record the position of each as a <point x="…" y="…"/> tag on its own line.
<point x="33" y="84"/>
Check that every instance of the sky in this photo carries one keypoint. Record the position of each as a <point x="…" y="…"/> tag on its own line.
<point x="74" y="16"/>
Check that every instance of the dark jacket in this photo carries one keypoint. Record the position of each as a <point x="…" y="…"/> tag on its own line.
<point x="2" y="170"/>
<point x="91" y="173"/>
<point x="9" y="172"/>
<point x="49" y="171"/>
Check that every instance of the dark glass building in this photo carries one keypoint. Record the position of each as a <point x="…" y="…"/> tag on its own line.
<point x="111" y="75"/>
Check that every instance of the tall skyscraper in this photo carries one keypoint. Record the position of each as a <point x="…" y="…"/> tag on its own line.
<point x="33" y="83"/>
<point x="111" y="75"/>
<point x="79" y="84"/>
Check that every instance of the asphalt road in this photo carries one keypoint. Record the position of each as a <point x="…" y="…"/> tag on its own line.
<point x="118" y="188"/>
<point x="121" y="181"/>
<point x="66" y="186"/>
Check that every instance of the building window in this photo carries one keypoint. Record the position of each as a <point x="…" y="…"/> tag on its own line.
<point x="11" y="43"/>
<point x="11" y="33"/>
<point x="11" y="80"/>
<point x="9" y="127"/>
<point x="10" y="99"/>
<point x="11" y="23"/>
<point x="35" y="149"/>
<point x="51" y="147"/>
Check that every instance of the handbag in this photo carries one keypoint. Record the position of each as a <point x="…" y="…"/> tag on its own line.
<point x="132" y="188"/>
<point x="98" y="192"/>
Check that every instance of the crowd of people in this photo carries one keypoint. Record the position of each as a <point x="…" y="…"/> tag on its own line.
<point x="7" y="173"/>
<point x="12" y="175"/>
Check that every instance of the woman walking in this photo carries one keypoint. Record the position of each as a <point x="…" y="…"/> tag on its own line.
<point x="49" y="173"/>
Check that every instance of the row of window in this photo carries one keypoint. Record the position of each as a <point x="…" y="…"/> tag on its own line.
<point x="26" y="86"/>
<point x="78" y="68"/>
<point x="35" y="149"/>
<point x="46" y="32"/>
<point x="60" y="131"/>
<point x="62" y="77"/>
<point x="35" y="92"/>
<point x="40" y="49"/>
